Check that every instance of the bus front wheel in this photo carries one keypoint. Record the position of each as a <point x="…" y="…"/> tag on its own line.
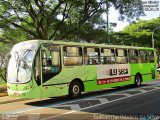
<point x="75" y="89"/>
<point x="138" y="80"/>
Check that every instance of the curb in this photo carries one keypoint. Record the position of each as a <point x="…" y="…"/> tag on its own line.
<point x="3" y="91"/>
<point x="3" y="94"/>
<point x="11" y="101"/>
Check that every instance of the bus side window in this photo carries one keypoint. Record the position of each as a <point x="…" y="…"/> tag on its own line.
<point x="107" y="56"/>
<point x="44" y="58"/>
<point x="150" y="56"/>
<point x="133" y="56"/>
<point x="142" y="56"/>
<point x="50" y="61"/>
<point x="72" y="55"/>
<point x="121" y="56"/>
<point x="91" y="56"/>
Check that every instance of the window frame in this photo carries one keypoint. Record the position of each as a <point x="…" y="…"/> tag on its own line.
<point x="65" y="46"/>
<point x="126" y="57"/>
<point x="107" y="56"/>
<point x="135" y="56"/>
<point x="92" y="57"/>
<point x="146" y="59"/>
<point x="149" y="61"/>
<point x="47" y="71"/>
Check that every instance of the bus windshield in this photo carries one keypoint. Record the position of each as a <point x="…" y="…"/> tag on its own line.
<point x="20" y="65"/>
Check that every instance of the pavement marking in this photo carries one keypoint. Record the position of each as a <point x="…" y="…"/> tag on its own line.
<point x="126" y="94"/>
<point x="141" y="90"/>
<point x="102" y="100"/>
<point x="157" y="87"/>
<point x="72" y="106"/>
<point x="81" y="100"/>
<point x="55" y="116"/>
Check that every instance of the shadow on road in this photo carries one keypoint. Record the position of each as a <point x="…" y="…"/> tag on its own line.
<point x="63" y="99"/>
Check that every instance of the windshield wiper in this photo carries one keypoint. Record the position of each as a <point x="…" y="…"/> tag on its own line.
<point x="21" y="59"/>
<point x="17" y="58"/>
<point x="17" y="64"/>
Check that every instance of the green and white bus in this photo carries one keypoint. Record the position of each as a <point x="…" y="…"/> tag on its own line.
<point x="44" y="68"/>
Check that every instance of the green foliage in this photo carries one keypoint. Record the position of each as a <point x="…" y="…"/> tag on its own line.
<point x="39" y="19"/>
<point x="2" y="83"/>
<point x="140" y="33"/>
<point x="4" y="56"/>
<point x="58" y="19"/>
<point x="129" y="10"/>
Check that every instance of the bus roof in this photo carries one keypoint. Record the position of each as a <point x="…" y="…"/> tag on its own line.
<point x="86" y="44"/>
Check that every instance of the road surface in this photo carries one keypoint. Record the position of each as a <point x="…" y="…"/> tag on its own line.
<point x="123" y="103"/>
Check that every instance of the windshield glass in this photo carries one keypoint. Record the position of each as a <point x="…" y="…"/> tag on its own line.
<point x="20" y="64"/>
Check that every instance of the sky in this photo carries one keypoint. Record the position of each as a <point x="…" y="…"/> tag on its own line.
<point x="151" y="7"/>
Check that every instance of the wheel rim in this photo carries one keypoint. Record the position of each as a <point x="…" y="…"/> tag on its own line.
<point x="76" y="89"/>
<point x="138" y="81"/>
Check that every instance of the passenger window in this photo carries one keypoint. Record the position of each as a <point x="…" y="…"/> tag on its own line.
<point x="92" y="56"/>
<point x="121" y="56"/>
<point x="44" y="58"/>
<point x="133" y="56"/>
<point x="50" y="61"/>
<point x="72" y="55"/>
<point x="142" y="56"/>
<point x="150" y="56"/>
<point x="107" y="56"/>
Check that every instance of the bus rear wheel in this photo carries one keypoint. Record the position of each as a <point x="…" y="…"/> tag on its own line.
<point x="75" y="89"/>
<point x="138" y="80"/>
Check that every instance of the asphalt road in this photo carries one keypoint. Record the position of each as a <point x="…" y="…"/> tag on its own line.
<point x="144" y="104"/>
<point x="108" y="104"/>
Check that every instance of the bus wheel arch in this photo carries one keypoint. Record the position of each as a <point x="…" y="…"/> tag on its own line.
<point x="138" y="80"/>
<point x="75" y="88"/>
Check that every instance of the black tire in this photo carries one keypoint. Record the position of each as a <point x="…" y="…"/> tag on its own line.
<point x="138" y="81"/>
<point x="75" y="89"/>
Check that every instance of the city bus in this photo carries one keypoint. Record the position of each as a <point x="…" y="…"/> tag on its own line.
<point x="45" y="68"/>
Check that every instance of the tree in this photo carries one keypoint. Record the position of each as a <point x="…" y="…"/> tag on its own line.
<point x="129" y="10"/>
<point x="57" y="19"/>
<point x="40" y="20"/>
<point x="140" y="33"/>
<point x="3" y="61"/>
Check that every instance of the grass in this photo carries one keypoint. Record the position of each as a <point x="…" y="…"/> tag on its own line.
<point x="2" y="83"/>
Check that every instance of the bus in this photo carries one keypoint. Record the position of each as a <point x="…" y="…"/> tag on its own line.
<point x="45" y="68"/>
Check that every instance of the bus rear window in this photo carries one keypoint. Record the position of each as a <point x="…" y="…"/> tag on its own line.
<point x="150" y="55"/>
